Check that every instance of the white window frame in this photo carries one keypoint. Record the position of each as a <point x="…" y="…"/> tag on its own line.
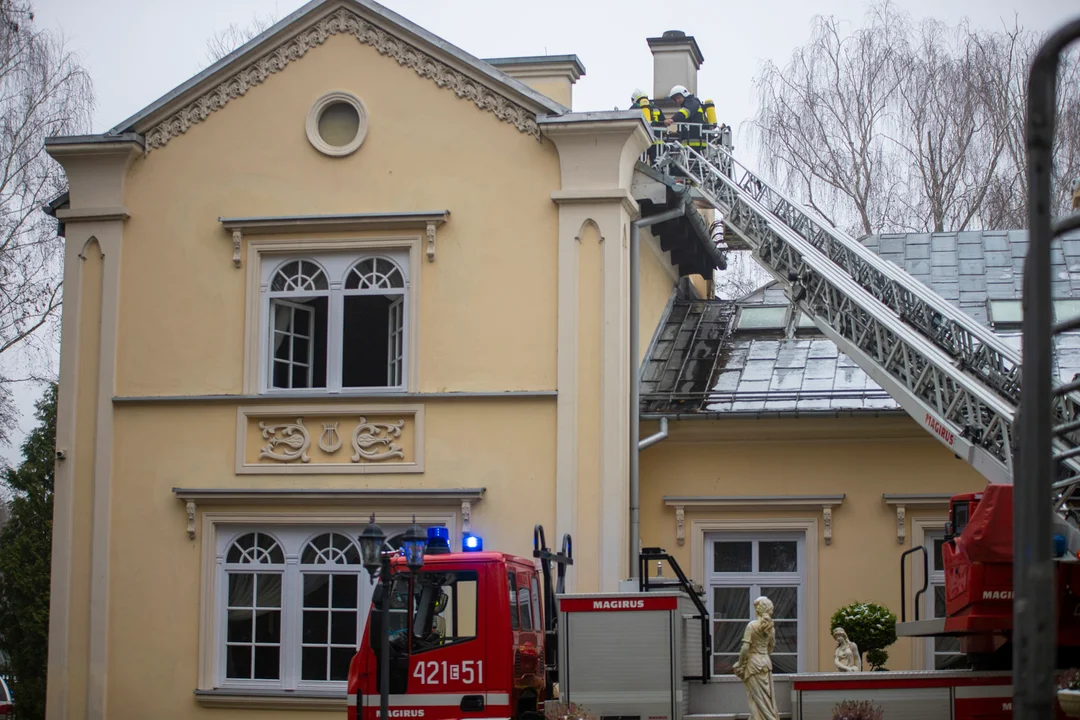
<point x="755" y="580"/>
<point x="937" y="579"/>
<point x="220" y="529"/>
<point x="337" y="266"/>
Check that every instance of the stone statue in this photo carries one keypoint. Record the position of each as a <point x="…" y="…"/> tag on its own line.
<point x="754" y="666"/>
<point x="847" y="657"/>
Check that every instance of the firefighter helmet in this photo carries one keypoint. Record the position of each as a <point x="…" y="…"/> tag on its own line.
<point x="637" y="95"/>
<point x="678" y="90"/>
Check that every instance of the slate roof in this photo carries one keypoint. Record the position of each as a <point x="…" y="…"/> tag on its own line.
<point x="699" y="362"/>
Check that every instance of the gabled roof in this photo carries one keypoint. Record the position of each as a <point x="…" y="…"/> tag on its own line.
<point x="372" y="24"/>
<point x="696" y="367"/>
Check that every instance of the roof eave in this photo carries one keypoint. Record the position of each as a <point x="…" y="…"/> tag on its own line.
<point x="530" y="98"/>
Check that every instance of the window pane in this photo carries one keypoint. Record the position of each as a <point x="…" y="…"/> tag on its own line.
<point x="239" y="627"/>
<point x="315" y="626"/>
<point x="313" y="663"/>
<point x="345" y="591"/>
<point x="762" y="317"/>
<point x="805" y="321"/>
<point x="343" y="627"/>
<point x="939" y="601"/>
<point x="787" y="636"/>
<point x="939" y="563"/>
<point x="241" y="590"/>
<point x="526" y="607"/>
<point x="316" y="590"/>
<point x="731" y="603"/>
<point x="267" y="662"/>
<point x="785" y="601"/>
<point x="339" y="662"/>
<point x="1065" y="309"/>
<point x="732" y="556"/>
<point x="238" y="662"/>
<point x="1006" y="311"/>
<point x="785" y="664"/>
<point x="536" y="603"/>
<point x="267" y="626"/>
<point x="727" y="636"/>
<point x="514" y="619"/>
<point x="268" y="589"/>
<point x="778" y="556"/>
<point x="722" y="664"/>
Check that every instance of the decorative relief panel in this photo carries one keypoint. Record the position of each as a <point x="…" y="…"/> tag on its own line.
<point x="330" y="439"/>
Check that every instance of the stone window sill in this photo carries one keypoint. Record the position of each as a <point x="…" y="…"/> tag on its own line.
<point x="271" y="699"/>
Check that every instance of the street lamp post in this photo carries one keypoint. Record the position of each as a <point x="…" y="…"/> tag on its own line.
<point x="375" y="559"/>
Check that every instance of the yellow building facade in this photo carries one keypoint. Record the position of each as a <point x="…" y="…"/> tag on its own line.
<point x="349" y="270"/>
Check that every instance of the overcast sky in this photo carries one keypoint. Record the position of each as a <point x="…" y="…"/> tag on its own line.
<point x="137" y="50"/>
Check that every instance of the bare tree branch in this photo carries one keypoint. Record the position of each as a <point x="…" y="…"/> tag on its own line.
<point x="44" y="92"/>
<point x="904" y="127"/>
<point x="228" y="39"/>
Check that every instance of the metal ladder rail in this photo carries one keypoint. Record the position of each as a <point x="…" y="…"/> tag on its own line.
<point x="917" y="374"/>
<point x="733" y="191"/>
<point x="976" y="348"/>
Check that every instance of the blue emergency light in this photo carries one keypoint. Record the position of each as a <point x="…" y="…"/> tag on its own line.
<point x="438" y="541"/>
<point x="472" y="543"/>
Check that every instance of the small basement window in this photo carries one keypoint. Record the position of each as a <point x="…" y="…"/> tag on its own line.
<point x="762" y="318"/>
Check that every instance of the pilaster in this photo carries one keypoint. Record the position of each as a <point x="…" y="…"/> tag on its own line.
<point x="597" y="153"/>
<point x="94" y="219"/>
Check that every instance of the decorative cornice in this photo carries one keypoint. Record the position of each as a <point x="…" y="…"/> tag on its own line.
<point x="341" y="21"/>
<point x="325" y="496"/>
<point x="824" y="503"/>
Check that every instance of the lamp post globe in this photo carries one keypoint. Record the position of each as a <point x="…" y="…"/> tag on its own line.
<point x="414" y="542"/>
<point x="371" y="545"/>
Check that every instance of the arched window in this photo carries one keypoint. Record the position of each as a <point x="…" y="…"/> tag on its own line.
<point x="299" y="311"/>
<point x="330" y="565"/>
<point x="253" y="567"/>
<point x="336" y="321"/>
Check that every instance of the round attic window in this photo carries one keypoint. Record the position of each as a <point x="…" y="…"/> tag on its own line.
<point x="337" y="123"/>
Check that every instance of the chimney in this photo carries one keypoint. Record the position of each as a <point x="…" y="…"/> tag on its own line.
<point x="676" y="59"/>
<point x="551" y="75"/>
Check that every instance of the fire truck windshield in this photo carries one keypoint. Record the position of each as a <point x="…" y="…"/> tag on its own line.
<point x="442" y="611"/>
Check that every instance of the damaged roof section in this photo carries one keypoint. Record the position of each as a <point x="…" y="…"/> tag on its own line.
<point x="689" y="238"/>
<point x="772" y="361"/>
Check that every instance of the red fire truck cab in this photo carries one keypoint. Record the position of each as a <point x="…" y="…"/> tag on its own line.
<point x="457" y="649"/>
<point x="977" y="558"/>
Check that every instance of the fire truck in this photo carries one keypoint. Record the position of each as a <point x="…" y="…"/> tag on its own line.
<point x="482" y="634"/>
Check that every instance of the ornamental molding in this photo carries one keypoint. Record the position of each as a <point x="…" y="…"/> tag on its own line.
<point x="754" y="503"/>
<point x="341" y="21"/>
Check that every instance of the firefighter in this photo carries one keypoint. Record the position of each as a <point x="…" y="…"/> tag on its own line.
<point x="690" y="116"/>
<point x="654" y="117"/>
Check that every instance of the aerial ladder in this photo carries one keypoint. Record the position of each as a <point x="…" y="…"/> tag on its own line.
<point x="954" y="376"/>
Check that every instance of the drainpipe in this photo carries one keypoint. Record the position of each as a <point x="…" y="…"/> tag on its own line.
<point x="684" y="208"/>
<point x="655" y="437"/>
